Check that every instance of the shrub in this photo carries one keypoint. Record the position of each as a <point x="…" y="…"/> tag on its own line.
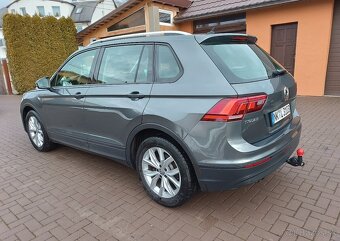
<point x="36" y="47"/>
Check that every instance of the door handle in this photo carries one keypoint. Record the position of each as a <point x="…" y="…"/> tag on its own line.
<point x="135" y="95"/>
<point x="78" y="95"/>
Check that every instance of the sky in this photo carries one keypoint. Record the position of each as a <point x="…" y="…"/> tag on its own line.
<point x="4" y="3"/>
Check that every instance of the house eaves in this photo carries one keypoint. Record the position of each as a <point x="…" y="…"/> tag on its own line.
<point x="124" y="8"/>
<point x="175" y="3"/>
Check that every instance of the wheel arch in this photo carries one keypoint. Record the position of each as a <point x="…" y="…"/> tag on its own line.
<point x="147" y="130"/>
<point x="24" y="111"/>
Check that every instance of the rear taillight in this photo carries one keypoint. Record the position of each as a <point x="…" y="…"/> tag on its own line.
<point x="235" y="109"/>
<point x="239" y="38"/>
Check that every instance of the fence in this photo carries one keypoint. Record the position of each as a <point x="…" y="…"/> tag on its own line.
<point x="5" y="79"/>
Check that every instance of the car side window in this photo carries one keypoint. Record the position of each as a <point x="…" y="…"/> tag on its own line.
<point x="77" y="71"/>
<point x="167" y="67"/>
<point x="126" y="65"/>
<point x="144" y="74"/>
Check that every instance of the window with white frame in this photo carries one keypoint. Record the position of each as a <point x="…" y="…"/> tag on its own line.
<point x="23" y="11"/>
<point x="165" y="17"/>
<point x="41" y="11"/>
<point x="79" y="27"/>
<point x="56" y="11"/>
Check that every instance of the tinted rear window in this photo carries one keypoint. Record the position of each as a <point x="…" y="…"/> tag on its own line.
<point x="167" y="66"/>
<point x="242" y="62"/>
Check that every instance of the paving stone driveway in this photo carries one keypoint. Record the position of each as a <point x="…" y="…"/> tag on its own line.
<point x="71" y="195"/>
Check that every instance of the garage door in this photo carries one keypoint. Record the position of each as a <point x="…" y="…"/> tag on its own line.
<point x="283" y="45"/>
<point x="333" y="70"/>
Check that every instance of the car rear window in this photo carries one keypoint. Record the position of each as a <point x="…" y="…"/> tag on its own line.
<point x="167" y="66"/>
<point x="242" y="62"/>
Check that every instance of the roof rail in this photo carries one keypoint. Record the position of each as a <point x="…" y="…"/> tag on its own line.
<point x="136" y="35"/>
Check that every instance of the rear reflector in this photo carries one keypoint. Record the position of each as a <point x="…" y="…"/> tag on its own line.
<point x="235" y="109"/>
<point x="267" y="159"/>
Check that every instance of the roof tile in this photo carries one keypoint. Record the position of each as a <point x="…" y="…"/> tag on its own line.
<point x="201" y="8"/>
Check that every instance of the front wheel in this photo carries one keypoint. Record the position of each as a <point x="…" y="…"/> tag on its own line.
<point x="164" y="172"/>
<point x="36" y="132"/>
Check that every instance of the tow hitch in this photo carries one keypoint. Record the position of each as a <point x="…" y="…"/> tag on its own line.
<point x="297" y="161"/>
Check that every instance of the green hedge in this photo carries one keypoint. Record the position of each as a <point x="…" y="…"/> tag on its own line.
<point x="36" y="47"/>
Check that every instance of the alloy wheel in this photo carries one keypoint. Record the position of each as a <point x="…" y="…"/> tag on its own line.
<point x="35" y="131"/>
<point x="161" y="172"/>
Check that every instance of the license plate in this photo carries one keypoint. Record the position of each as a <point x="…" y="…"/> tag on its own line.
<point x="280" y="114"/>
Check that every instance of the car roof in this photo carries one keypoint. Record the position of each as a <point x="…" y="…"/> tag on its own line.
<point x="161" y="36"/>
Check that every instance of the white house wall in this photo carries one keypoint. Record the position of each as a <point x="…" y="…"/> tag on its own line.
<point x="2" y="46"/>
<point x="102" y="9"/>
<point x="31" y="7"/>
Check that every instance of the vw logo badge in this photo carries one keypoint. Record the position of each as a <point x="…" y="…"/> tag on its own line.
<point x="285" y="93"/>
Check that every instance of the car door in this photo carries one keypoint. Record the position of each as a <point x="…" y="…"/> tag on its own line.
<point x="63" y="110"/>
<point x="114" y="107"/>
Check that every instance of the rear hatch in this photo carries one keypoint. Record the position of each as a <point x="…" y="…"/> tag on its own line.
<point x="252" y="72"/>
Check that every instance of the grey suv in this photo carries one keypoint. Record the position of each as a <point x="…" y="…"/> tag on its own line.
<point x="209" y="112"/>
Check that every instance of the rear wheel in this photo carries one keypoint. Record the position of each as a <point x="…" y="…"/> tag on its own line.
<point x="164" y="172"/>
<point x="36" y="132"/>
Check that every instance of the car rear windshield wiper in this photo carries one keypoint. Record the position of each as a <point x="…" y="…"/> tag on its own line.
<point x="278" y="72"/>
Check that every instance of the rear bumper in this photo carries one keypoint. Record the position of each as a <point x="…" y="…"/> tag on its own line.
<point x="224" y="168"/>
<point x="219" y="179"/>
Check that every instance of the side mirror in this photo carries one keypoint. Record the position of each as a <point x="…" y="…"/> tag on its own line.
<point x="43" y="83"/>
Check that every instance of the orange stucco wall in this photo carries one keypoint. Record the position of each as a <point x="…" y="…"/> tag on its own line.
<point x="314" y="19"/>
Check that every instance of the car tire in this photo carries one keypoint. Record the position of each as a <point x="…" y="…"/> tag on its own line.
<point x="37" y="133"/>
<point x="169" y="180"/>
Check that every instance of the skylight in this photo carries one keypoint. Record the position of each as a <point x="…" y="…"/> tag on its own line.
<point x="79" y="10"/>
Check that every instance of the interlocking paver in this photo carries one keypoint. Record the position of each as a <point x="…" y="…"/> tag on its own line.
<point x="71" y="195"/>
<point x="25" y="235"/>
